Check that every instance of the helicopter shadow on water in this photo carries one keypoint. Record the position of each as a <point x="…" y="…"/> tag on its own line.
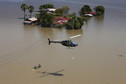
<point x="44" y="74"/>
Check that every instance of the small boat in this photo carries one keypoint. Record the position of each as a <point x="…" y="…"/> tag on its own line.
<point x="37" y="66"/>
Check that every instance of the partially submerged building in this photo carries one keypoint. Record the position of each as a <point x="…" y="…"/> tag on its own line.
<point x="30" y="20"/>
<point x="88" y="15"/>
<point x="48" y="10"/>
<point x="61" y="20"/>
<point x="51" y="10"/>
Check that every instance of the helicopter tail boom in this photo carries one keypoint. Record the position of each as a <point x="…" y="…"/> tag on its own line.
<point x="53" y="41"/>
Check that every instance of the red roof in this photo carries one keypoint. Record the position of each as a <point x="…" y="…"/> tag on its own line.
<point x="60" y="22"/>
<point x="93" y="13"/>
<point x="59" y="18"/>
<point x="66" y="18"/>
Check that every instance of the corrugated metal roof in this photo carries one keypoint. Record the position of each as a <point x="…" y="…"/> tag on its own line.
<point x="32" y="19"/>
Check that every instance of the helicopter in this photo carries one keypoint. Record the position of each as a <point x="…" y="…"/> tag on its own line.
<point x="67" y="43"/>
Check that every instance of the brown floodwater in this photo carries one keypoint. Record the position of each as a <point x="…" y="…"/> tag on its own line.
<point x="99" y="58"/>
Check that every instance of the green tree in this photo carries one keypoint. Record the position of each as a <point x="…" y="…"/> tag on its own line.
<point x="99" y="10"/>
<point x="74" y="17"/>
<point x="75" y="22"/>
<point x="59" y="12"/>
<point x="81" y="20"/>
<point x="46" y="6"/>
<point x="24" y="7"/>
<point x="45" y="19"/>
<point x="85" y="9"/>
<point x="40" y="8"/>
<point x="69" y="24"/>
<point x="65" y="9"/>
<point x="31" y="9"/>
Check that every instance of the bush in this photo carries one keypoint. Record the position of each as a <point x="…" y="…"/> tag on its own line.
<point x="59" y="12"/>
<point x="46" y="6"/>
<point x="85" y="9"/>
<point x="69" y="24"/>
<point x="75" y="22"/>
<point x="45" y="19"/>
<point x="99" y="10"/>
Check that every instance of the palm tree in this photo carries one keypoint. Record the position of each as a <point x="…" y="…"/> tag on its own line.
<point x="31" y="9"/>
<point x="24" y="7"/>
<point x="40" y="8"/>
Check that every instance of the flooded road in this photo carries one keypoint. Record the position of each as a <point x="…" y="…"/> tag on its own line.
<point x="99" y="58"/>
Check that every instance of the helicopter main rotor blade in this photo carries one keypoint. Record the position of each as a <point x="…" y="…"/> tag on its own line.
<point x="75" y="36"/>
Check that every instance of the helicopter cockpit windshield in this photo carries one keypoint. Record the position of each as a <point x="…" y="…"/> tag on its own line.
<point x="75" y="44"/>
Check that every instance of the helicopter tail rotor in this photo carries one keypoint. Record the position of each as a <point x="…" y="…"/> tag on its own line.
<point x="49" y="41"/>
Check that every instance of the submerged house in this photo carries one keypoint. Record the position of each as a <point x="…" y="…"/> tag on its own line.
<point x="51" y="10"/>
<point x="93" y="13"/>
<point x="33" y="19"/>
<point x="48" y="10"/>
<point x="43" y="10"/>
<point x="61" y="20"/>
<point x="88" y="15"/>
<point x="30" y="20"/>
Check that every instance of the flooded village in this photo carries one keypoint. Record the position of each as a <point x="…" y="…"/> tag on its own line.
<point x="27" y="58"/>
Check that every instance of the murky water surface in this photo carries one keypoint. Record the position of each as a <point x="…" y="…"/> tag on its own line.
<point x="100" y="57"/>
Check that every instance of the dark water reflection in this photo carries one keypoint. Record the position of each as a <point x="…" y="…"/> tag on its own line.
<point x="99" y="22"/>
<point x="99" y="19"/>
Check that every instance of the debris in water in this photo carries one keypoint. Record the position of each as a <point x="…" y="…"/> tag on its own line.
<point x="73" y="58"/>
